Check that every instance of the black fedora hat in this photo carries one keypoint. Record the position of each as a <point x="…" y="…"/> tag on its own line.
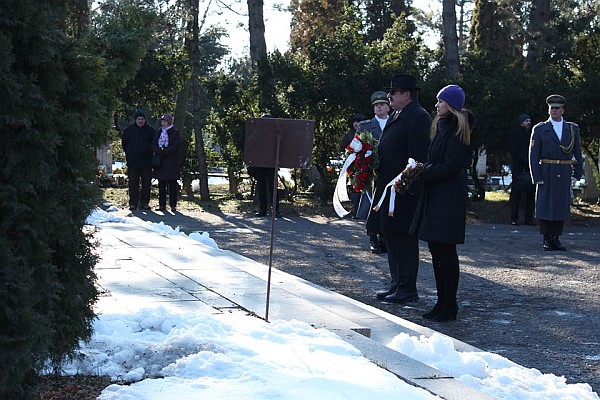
<point x="403" y="82"/>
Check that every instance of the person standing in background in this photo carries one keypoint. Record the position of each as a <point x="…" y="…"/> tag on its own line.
<point x="346" y="139"/>
<point x="406" y="135"/>
<point x="554" y="157"/>
<point x="354" y="128"/>
<point x="265" y="182"/>
<point x="137" y="145"/>
<point x="167" y="143"/>
<point x="522" y="189"/>
<point x="441" y="214"/>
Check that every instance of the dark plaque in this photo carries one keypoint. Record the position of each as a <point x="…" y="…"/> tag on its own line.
<point x="294" y="137"/>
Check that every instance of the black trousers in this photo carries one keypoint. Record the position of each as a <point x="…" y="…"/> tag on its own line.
<point x="552" y="228"/>
<point x="136" y="177"/>
<point x="403" y="261"/>
<point x="173" y="187"/>
<point x="264" y="188"/>
<point x="525" y="197"/>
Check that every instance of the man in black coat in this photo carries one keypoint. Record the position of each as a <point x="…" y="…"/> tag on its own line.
<point x="406" y="135"/>
<point x="522" y="189"/>
<point x="137" y="145"/>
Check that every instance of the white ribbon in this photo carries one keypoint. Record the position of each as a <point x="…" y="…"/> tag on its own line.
<point x="341" y="194"/>
<point x="411" y="164"/>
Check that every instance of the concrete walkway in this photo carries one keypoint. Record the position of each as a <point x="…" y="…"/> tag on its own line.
<point x="141" y="268"/>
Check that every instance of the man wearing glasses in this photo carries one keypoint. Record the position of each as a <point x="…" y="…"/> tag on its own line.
<point x="405" y="135"/>
<point x="554" y="157"/>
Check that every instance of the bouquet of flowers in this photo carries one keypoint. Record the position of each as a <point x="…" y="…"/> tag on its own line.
<point x="361" y="171"/>
<point x="408" y="176"/>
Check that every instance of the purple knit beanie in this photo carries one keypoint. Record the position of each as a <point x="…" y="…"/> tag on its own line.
<point x="453" y="95"/>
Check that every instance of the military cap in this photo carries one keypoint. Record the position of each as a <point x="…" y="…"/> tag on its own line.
<point x="556" y="100"/>
<point x="379" y="97"/>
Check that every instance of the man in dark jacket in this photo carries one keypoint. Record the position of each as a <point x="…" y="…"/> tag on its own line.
<point x="137" y="145"/>
<point x="522" y="189"/>
<point x="406" y="135"/>
<point x="554" y="157"/>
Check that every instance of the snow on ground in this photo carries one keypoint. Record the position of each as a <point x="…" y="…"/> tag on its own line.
<point x="158" y="354"/>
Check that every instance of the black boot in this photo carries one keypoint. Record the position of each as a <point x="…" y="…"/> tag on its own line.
<point x="548" y="243"/>
<point x="449" y="307"/>
<point x="374" y="244"/>
<point x="557" y="244"/>
<point x="382" y="244"/>
<point x="440" y="292"/>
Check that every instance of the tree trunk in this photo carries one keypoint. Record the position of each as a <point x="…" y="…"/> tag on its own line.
<point x="450" y="38"/>
<point x="194" y="54"/>
<point x="540" y="14"/>
<point x="258" y="52"/>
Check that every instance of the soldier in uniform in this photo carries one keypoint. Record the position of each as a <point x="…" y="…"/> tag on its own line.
<point x="381" y="109"/>
<point x="375" y="125"/>
<point x="554" y="157"/>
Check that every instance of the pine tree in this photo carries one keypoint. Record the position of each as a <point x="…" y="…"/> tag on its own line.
<point x="380" y="16"/>
<point x="312" y="18"/>
<point x="53" y="114"/>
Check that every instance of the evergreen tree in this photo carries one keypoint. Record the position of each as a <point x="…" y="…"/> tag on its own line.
<point x="311" y="18"/>
<point x="53" y="114"/>
<point x="380" y="15"/>
<point x="498" y="30"/>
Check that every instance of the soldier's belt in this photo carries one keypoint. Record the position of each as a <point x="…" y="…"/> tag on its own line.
<point x="547" y="161"/>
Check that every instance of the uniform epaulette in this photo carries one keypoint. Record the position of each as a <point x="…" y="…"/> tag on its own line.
<point x="539" y="124"/>
<point x="572" y="123"/>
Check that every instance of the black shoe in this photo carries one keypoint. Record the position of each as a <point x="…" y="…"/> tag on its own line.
<point x="261" y="214"/>
<point x="174" y="209"/>
<point x="515" y="223"/>
<point x="401" y="298"/>
<point x="557" y="244"/>
<point x="132" y="208"/>
<point x="434" y="311"/>
<point x="548" y="244"/>
<point x="383" y="246"/>
<point x="383" y="295"/>
<point x="277" y="214"/>
<point x="446" y="315"/>
<point x="161" y="208"/>
<point x="145" y="207"/>
<point x="375" y="246"/>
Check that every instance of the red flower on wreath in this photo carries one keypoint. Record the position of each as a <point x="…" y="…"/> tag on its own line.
<point x="362" y="170"/>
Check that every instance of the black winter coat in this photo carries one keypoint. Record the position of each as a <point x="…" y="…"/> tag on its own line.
<point x="404" y="137"/>
<point x="170" y="158"/>
<point x="137" y="145"/>
<point x="518" y="145"/>
<point x="442" y="209"/>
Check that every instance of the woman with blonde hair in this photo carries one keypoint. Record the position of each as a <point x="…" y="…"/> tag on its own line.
<point x="440" y="218"/>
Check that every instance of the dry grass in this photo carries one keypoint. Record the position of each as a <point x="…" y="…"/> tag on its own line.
<point x="495" y="209"/>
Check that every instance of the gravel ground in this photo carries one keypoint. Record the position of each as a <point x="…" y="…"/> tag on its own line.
<point x="539" y="309"/>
